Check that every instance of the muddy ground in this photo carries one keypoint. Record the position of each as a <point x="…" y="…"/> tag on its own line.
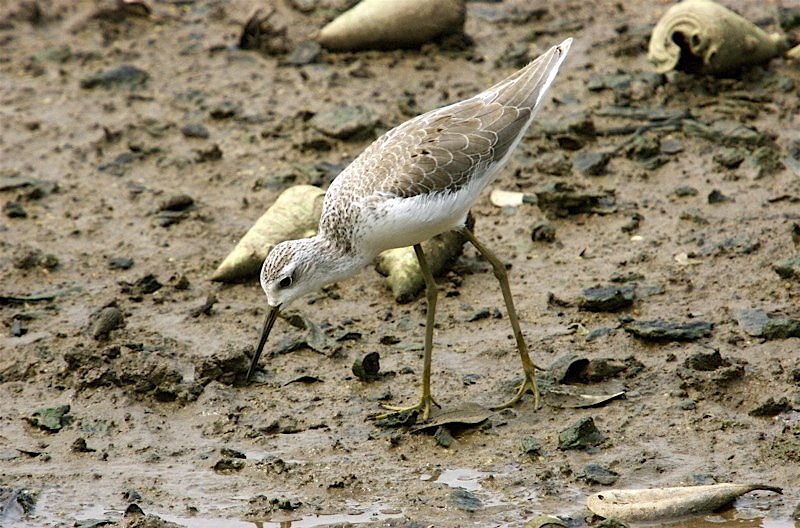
<point x="95" y="181"/>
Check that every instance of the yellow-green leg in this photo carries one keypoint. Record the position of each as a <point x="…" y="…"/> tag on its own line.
<point x="425" y="401"/>
<point x="528" y="366"/>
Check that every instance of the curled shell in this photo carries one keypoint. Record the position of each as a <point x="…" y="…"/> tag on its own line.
<point x="295" y="214"/>
<point x="663" y="503"/>
<point x="701" y="36"/>
<point x="378" y="24"/>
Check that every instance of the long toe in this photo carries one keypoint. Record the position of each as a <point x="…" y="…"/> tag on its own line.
<point x="528" y="384"/>
<point x="423" y="407"/>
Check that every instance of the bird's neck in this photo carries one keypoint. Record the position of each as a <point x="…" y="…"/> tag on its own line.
<point x="340" y="261"/>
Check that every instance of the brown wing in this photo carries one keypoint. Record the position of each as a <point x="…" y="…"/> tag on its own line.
<point x="439" y="151"/>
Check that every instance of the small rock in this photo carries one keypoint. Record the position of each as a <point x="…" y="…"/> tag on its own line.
<point x="724" y="132"/>
<point x="344" y="122"/>
<point x="758" y="323"/>
<point x="543" y="231"/>
<point x="659" y="330"/>
<point x="695" y="216"/>
<point x="228" y="465"/>
<point x="715" y="197"/>
<point x="195" y="130"/>
<point x="465" y="500"/>
<point x="530" y="446"/>
<point x="642" y="148"/>
<point x="612" y="523"/>
<point x="263" y="34"/>
<point x="591" y="163"/>
<point x="110" y="318"/>
<point x="367" y="368"/>
<point x="687" y="405"/>
<point x="229" y="452"/>
<point x="555" y="163"/>
<point x="789" y="268"/>
<point x="14" y="209"/>
<point x="606" y="298"/>
<point x="307" y="52"/>
<point x="730" y="158"/>
<point x="121" y="76"/>
<point x="79" y="446"/>
<point x="597" y="474"/>
<point x="685" y="190"/>
<point x="27" y="258"/>
<point x="671" y="146"/>
<point x="443" y="437"/>
<point x="120" y="263"/>
<point x="580" y="435"/>
<point x="16" y="502"/>
<point x="771" y="407"/>
<point x="705" y="361"/>
<point x="177" y="202"/>
<point x="213" y="153"/>
<point x="119" y="165"/>
<point x="144" y="286"/>
<point x="51" y="418"/>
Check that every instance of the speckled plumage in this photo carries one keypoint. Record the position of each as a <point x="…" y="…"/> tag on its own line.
<point x="414" y="182"/>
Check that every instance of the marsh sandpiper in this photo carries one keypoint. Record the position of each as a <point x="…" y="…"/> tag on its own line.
<point x="414" y="182"/>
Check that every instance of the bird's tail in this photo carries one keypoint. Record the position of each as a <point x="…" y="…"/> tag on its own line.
<point x="527" y="87"/>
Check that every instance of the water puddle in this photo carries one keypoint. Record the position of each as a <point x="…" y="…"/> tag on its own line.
<point x="469" y="479"/>
<point x="281" y="519"/>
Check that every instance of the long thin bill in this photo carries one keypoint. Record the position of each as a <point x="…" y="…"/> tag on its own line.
<point x="268" y="322"/>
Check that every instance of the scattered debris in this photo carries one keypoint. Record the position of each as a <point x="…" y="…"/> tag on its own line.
<point x="704" y="37"/>
<point x="665" y="503"/>
<point x="377" y="24"/>
<point x="580" y="435"/>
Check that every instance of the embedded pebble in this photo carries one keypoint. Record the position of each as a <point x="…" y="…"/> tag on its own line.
<point x="770" y="407"/>
<point x="368" y="367"/>
<point x="758" y="323"/>
<point x="121" y="263"/>
<point x="530" y="446"/>
<point x="543" y="231"/>
<point x="716" y="196"/>
<point x="705" y="361"/>
<point x="177" y="202"/>
<point x="789" y="268"/>
<point x="580" y="435"/>
<point x="344" y="122"/>
<point x="597" y="474"/>
<point x="591" y="163"/>
<point x="27" y="258"/>
<point x="606" y="298"/>
<point x="195" y="130"/>
<point x="80" y="446"/>
<point x="307" y="52"/>
<point x="14" y="209"/>
<point x="51" y="418"/>
<point x="465" y="500"/>
<point x="110" y="318"/>
<point x="126" y="75"/>
<point x="724" y="132"/>
<point x="443" y="437"/>
<point x="684" y="191"/>
<point x="660" y="330"/>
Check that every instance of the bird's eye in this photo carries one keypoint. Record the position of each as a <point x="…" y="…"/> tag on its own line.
<point x="285" y="282"/>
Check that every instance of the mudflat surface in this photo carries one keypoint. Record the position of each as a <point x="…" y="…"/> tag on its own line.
<point x="97" y="225"/>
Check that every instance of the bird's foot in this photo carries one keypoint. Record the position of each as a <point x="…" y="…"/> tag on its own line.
<point x="528" y="384"/>
<point x="423" y="407"/>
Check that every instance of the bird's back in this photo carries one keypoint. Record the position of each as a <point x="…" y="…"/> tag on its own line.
<point x="451" y="151"/>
